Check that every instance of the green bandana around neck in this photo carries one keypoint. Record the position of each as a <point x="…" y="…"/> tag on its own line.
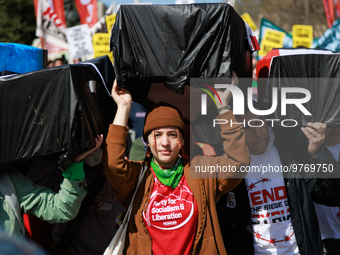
<point x="171" y="176"/>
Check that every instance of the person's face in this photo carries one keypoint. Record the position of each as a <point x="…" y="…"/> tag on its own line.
<point x="332" y="136"/>
<point x="51" y="64"/>
<point x="58" y="63"/>
<point x="257" y="138"/>
<point x="164" y="145"/>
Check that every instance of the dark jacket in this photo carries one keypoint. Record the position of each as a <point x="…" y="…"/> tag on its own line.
<point x="236" y="224"/>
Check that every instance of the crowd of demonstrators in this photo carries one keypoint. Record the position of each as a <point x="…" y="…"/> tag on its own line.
<point x="58" y="62"/>
<point x="274" y="213"/>
<point x="258" y="212"/>
<point x="61" y="61"/>
<point x="189" y="201"/>
<point x="271" y="213"/>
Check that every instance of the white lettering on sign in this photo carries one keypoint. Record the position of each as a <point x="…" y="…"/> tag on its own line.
<point x="170" y="211"/>
<point x="171" y="216"/>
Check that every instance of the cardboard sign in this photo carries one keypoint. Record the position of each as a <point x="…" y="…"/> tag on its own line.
<point x="267" y="25"/>
<point x="101" y="45"/>
<point x="79" y="40"/>
<point x="302" y="36"/>
<point x="110" y="20"/>
<point x="246" y="17"/>
<point x="272" y="39"/>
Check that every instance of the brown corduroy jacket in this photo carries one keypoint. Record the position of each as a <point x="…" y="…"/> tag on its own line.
<point x="207" y="188"/>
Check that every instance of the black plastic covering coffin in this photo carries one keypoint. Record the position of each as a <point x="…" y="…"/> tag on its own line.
<point x="320" y="75"/>
<point x="53" y="112"/>
<point x="172" y="43"/>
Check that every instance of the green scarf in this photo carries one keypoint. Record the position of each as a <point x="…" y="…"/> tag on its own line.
<point x="171" y="176"/>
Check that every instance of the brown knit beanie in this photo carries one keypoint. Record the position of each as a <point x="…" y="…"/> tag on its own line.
<point x="162" y="116"/>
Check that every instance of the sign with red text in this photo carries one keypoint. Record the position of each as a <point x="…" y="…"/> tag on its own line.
<point x="49" y="26"/>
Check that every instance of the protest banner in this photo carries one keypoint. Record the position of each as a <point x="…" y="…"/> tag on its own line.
<point x="49" y="26"/>
<point x="272" y="39"/>
<point x="101" y="45"/>
<point x="79" y="40"/>
<point x="302" y="36"/>
<point x="265" y="25"/>
<point x="110" y="20"/>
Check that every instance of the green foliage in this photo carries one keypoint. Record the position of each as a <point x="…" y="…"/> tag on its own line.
<point x="17" y="21"/>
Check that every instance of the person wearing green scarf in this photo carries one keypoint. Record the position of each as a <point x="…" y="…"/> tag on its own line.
<point x="172" y="212"/>
<point x="168" y="176"/>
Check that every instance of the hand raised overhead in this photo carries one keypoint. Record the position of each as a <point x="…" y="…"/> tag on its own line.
<point x="315" y="132"/>
<point x="122" y="97"/>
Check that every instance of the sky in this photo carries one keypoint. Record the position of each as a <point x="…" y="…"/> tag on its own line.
<point x="118" y="2"/>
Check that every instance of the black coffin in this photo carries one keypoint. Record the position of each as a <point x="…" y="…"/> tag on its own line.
<point x="172" y="43"/>
<point x="53" y="112"/>
<point x="317" y="73"/>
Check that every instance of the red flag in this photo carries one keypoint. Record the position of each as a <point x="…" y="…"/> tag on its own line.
<point x="337" y="8"/>
<point x="87" y="10"/>
<point x="59" y="9"/>
<point x="329" y="10"/>
<point x="36" y="7"/>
